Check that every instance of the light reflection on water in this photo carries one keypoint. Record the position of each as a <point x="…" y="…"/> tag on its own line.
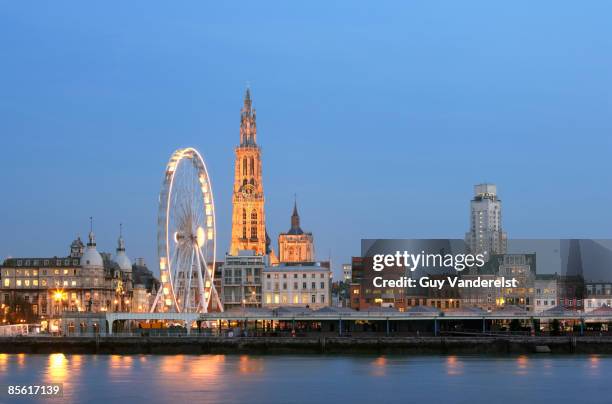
<point x="308" y="379"/>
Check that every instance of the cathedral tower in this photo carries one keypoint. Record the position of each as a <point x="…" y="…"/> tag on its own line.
<point x="248" y="218"/>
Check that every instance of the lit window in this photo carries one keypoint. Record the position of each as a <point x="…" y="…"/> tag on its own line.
<point x="7" y="283"/>
<point x="18" y="282"/>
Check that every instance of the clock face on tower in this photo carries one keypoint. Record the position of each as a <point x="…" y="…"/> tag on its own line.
<point x="247" y="190"/>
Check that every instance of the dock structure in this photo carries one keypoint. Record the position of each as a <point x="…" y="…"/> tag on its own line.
<point x="384" y="320"/>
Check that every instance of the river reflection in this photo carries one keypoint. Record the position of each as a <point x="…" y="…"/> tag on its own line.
<point x="308" y="379"/>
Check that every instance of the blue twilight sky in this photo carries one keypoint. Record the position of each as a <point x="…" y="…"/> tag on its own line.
<point x="381" y="116"/>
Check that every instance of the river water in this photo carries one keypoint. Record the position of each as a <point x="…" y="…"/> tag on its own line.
<point x="312" y="379"/>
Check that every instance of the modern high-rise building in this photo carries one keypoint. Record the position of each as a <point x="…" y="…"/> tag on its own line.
<point x="486" y="235"/>
<point x="248" y="217"/>
<point x="296" y="245"/>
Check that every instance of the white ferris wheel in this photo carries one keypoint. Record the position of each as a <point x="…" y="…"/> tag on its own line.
<point x="186" y="236"/>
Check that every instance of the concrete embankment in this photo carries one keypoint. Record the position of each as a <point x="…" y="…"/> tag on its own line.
<point x="341" y="345"/>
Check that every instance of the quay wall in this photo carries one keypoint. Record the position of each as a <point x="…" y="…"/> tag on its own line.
<point x="299" y="345"/>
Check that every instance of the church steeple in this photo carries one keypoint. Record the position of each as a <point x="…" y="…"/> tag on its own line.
<point x="295" y="220"/>
<point x="248" y="121"/>
<point x="296" y="245"/>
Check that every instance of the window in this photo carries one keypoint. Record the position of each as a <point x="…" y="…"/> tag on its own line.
<point x="295" y="286"/>
<point x="322" y="298"/>
<point x="73" y="283"/>
<point x="322" y="285"/>
<point x="35" y="282"/>
<point x="313" y="299"/>
<point x="46" y="262"/>
<point x="18" y="282"/>
<point x="284" y="285"/>
<point x="303" y="285"/>
<point x="314" y="285"/>
<point x="44" y="282"/>
<point x="65" y="272"/>
<point x="7" y="283"/>
<point x="26" y="282"/>
<point x="18" y="263"/>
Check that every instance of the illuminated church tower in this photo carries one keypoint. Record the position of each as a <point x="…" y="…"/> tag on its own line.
<point x="248" y="218"/>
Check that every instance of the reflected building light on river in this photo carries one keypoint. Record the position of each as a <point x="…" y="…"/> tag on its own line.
<point x="594" y="364"/>
<point x="454" y="367"/>
<point x="250" y="365"/>
<point x="57" y="369"/>
<point x="3" y="362"/>
<point x="21" y="360"/>
<point x="379" y="366"/>
<point x="522" y="363"/>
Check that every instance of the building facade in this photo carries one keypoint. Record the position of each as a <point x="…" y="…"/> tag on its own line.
<point x="598" y="294"/>
<point x="296" y="245"/>
<point x="347" y="273"/>
<point x="86" y="280"/>
<point x="363" y="294"/>
<point x="298" y="285"/>
<point x="241" y="280"/>
<point x="521" y="267"/>
<point x="486" y="235"/>
<point x="546" y="286"/>
<point x="248" y="216"/>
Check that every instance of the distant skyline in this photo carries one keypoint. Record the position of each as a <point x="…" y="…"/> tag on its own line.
<point x="381" y="119"/>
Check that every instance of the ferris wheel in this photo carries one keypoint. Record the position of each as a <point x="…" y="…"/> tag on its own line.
<point x="186" y="236"/>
